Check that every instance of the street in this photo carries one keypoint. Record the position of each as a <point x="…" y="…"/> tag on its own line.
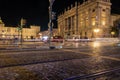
<point x="86" y="61"/>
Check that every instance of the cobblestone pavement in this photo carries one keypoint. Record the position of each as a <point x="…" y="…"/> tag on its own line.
<point x="60" y="64"/>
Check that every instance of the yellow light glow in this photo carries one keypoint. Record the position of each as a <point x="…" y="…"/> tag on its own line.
<point x="96" y="44"/>
<point x="96" y="30"/>
<point x="93" y="23"/>
<point x="103" y="23"/>
<point x="3" y="36"/>
<point x="112" y="33"/>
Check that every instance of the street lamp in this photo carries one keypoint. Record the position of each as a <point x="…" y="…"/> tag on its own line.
<point x="112" y="33"/>
<point x="50" y="22"/>
<point x="22" y="23"/>
<point x="96" y="31"/>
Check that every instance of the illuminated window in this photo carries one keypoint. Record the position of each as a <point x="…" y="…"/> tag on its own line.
<point x="103" y="23"/>
<point x="93" y="23"/>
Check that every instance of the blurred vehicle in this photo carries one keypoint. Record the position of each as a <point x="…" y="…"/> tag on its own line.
<point x="57" y="39"/>
<point x="45" y="38"/>
<point x="84" y="39"/>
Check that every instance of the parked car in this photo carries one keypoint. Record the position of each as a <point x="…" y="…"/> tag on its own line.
<point x="84" y="39"/>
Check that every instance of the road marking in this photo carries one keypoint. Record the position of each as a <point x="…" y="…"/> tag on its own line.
<point x="105" y="57"/>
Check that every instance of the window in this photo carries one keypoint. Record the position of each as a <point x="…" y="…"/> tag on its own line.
<point x="103" y="10"/>
<point x="93" y="10"/>
<point x="8" y="30"/>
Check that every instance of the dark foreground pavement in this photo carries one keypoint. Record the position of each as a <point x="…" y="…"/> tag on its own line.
<point x="82" y="62"/>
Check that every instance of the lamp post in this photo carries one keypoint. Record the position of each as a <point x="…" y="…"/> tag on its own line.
<point x="22" y="23"/>
<point x="50" y="22"/>
<point x="19" y="30"/>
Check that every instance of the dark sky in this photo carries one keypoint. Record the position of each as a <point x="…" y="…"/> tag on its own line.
<point x="36" y="11"/>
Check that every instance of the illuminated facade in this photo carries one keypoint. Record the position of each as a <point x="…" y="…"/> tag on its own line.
<point x="47" y="33"/>
<point x="13" y="32"/>
<point x="83" y="19"/>
<point x="114" y="18"/>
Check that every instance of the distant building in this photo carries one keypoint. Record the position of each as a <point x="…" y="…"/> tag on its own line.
<point x="114" y="19"/>
<point x="14" y="32"/>
<point x="92" y="18"/>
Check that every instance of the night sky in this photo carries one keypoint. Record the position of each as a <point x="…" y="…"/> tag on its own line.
<point x="36" y="11"/>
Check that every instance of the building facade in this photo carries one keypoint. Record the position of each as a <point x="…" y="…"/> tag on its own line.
<point x="115" y="19"/>
<point x="13" y="32"/>
<point x="47" y="32"/>
<point x="89" y="19"/>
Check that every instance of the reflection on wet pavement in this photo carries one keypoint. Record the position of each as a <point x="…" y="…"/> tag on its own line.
<point x="59" y="64"/>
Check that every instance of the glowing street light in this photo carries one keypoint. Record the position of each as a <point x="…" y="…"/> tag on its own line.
<point x="96" y="31"/>
<point x="112" y="33"/>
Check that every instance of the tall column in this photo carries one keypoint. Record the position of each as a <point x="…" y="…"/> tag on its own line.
<point x="72" y="25"/>
<point x="66" y="26"/>
<point x="99" y="16"/>
<point x="89" y="18"/>
<point x="108" y="17"/>
<point x="79" y="24"/>
<point x="76" y="4"/>
<point x="108" y="21"/>
<point x="90" y="23"/>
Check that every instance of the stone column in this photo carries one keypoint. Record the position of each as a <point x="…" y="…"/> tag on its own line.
<point x="100" y="16"/>
<point x="71" y="23"/>
<point x="90" y="22"/>
<point x="108" y="16"/>
<point x="108" y="20"/>
<point x="67" y="26"/>
<point x="76" y="4"/>
<point x="72" y="26"/>
<point x="89" y="18"/>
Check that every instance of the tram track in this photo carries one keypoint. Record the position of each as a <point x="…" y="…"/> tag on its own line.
<point x="91" y="76"/>
<point x="95" y="55"/>
<point x="94" y="76"/>
<point x="29" y="50"/>
<point x="38" y="62"/>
